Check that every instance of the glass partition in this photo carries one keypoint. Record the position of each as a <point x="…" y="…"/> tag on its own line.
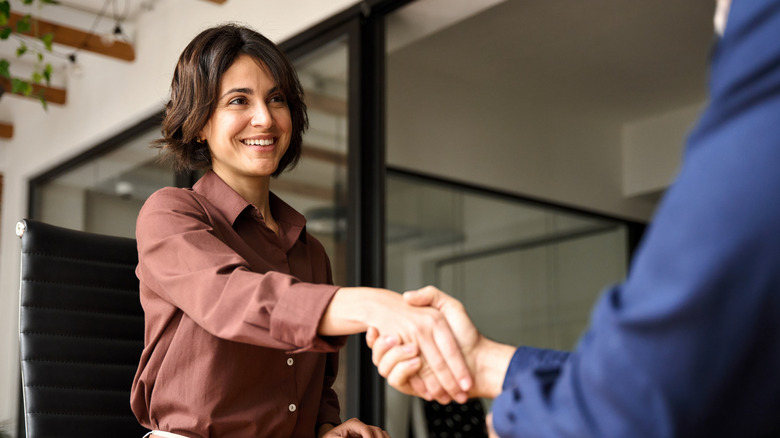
<point x="317" y="187"/>
<point x="103" y="193"/>
<point x="527" y="273"/>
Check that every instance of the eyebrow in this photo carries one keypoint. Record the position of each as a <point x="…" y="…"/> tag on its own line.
<point x="273" y="90"/>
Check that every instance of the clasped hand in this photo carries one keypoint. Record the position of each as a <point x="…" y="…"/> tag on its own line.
<point x="407" y="365"/>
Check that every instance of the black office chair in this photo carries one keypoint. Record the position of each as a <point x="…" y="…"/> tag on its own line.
<point x="81" y="332"/>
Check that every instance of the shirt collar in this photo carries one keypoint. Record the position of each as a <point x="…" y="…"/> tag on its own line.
<point x="292" y="225"/>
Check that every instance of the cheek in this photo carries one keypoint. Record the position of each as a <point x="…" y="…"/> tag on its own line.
<point x="285" y="120"/>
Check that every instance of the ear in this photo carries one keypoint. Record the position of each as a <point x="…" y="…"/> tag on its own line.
<point x="201" y="137"/>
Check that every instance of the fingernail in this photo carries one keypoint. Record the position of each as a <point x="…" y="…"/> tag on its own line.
<point x="427" y="396"/>
<point x="461" y="398"/>
<point x="390" y="340"/>
<point x="409" y="349"/>
<point x="465" y="384"/>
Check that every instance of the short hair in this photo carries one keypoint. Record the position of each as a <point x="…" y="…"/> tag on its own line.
<point x="195" y="88"/>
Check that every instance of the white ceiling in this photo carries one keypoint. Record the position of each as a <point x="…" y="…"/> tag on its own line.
<point x="629" y="59"/>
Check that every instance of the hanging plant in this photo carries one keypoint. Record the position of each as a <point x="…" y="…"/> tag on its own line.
<point x="36" y="47"/>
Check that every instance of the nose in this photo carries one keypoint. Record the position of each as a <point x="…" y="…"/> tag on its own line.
<point x="262" y="116"/>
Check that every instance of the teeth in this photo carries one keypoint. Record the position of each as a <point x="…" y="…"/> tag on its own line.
<point x="259" y="142"/>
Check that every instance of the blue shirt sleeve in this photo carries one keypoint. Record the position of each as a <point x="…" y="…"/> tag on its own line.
<point x="687" y="345"/>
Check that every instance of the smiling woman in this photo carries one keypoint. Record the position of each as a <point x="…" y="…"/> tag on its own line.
<point x="249" y="130"/>
<point x="243" y="323"/>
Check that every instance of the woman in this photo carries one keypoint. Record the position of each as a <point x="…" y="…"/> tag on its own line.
<point x="242" y="320"/>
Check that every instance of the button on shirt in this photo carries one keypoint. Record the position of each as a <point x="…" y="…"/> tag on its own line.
<point x="231" y="313"/>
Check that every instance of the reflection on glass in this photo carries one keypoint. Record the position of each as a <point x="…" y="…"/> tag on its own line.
<point x="527" y="274"/>
<point x="104" y="195"/>
<point x="317" y="186"/>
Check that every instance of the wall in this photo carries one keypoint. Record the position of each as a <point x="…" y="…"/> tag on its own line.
<point x="108" y="97"/>
<point x="478" y="133"/>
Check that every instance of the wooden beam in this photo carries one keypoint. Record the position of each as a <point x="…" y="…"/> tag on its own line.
<point x="79" y="39"/>
<point x="51" y="94"/>
<point x="6" y="130"/>
<point x="217" y="1"/>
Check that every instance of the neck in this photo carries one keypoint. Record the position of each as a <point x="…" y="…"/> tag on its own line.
<point x="254" y="190"/>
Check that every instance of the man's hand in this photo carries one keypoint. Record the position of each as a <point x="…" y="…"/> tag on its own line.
<point x="398" y="363"/>
<point x="354" y="310"/>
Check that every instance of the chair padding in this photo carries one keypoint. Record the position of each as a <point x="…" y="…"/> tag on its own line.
<point x="81" y="332"/>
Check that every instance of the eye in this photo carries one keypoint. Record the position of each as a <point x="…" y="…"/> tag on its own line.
<point x="241" y="100"/>
<point x="277" y="98"/>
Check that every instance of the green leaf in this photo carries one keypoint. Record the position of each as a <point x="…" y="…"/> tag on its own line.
<point x="25" y="24"/>
<point x="21" y="87"/>
<point x="44" y="104"/>
<point x="27" y="2"/>
<point x="47" y="71"/>
<point x="37" y="77"/>
<point x="5" y="11"/>
<point x="50" y="2"/>
<point x="5" y="33"/>
<point x="4" y="68"/>
<point x="22" y="49"/>
<point x="48" y="40"/>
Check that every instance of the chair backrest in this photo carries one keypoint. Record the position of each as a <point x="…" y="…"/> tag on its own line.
<point x="81" y="332"/>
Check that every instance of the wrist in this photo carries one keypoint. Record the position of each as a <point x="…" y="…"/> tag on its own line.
<point x="491" y="363"/>
<point x="350" y="311"/>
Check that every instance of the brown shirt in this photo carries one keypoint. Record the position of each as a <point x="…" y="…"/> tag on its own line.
<point x="232" y="310"/>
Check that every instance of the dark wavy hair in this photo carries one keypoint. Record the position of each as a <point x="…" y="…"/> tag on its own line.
<point x="195" y="88"/>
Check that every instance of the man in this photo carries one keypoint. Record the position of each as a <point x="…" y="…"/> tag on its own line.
<point x="687" y="345"/>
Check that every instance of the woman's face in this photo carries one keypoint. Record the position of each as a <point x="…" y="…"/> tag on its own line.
<point x="249" y="130"/>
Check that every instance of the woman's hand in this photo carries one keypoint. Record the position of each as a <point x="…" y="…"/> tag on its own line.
<point x="351" y="428"/>
<point x="354" y="310"/>
<point x="397" y="361"/>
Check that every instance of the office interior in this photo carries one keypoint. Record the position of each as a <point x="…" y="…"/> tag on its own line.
<point x="508" y="151"/>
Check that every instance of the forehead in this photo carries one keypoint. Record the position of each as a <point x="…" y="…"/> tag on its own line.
<point x="247" y="71"/>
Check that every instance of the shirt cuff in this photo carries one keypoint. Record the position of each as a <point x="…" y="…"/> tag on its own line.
<point x="531" y="358"/>
<point x="297" y="316"/>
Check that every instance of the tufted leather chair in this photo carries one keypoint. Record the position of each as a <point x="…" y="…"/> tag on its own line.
<point x="81" y="332"/>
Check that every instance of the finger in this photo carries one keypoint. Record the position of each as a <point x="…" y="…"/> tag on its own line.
<point x="456" y="362"/>
<point x="353" y="427"/>
<point x="378" y="432"/>
<point x="419" y="389"/>
<point x="491" y="432"/>
<point x="421" y="297"/>
<point x="395" y="356"/>
<point x="446" y="361"/>
<point x="371" y="336"/>
<point x="382" y="345"/>
<point x="398" y="375"/>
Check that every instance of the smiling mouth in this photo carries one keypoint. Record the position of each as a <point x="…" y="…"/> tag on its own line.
<point x="267" y="142"/>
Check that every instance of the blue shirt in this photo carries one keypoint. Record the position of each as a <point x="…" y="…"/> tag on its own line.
<point x="689" y="344"/>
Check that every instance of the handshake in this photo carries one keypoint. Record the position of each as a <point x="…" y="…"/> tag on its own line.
<point x="441" y="356"/>
<point x="423" y="342"/>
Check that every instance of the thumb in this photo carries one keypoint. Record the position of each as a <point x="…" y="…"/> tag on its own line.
<point x="372" y="334"/>
<point x="427" y="296"/>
